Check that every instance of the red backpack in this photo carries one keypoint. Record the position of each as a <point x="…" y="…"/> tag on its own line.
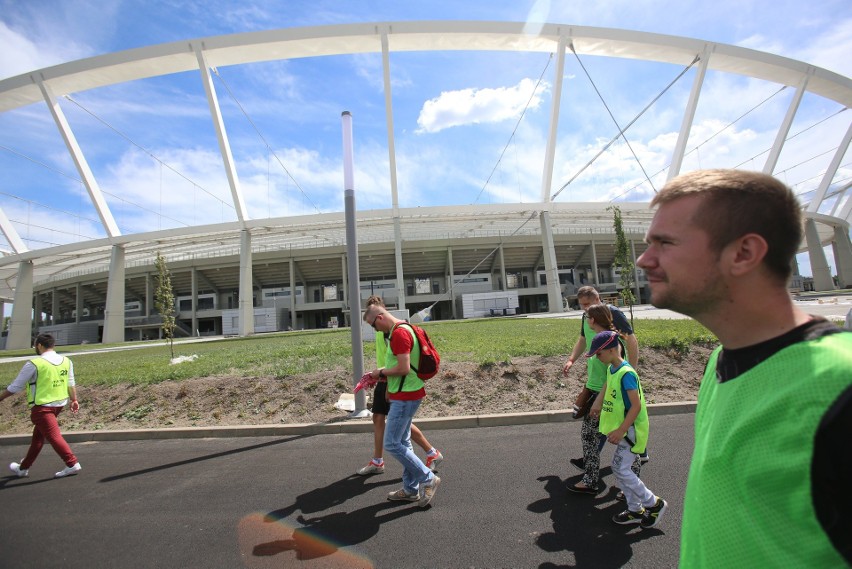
<point x="430" y="360"/>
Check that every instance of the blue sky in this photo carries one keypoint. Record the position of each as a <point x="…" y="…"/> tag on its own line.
<point x="152" y="147"/>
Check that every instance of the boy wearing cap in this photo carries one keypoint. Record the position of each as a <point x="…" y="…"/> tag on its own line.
<point x="624" y="421"/>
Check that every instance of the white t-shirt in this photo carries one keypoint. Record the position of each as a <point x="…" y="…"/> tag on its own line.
<point x="28" y="373"/>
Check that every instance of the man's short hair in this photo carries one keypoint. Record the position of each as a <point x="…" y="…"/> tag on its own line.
<point x="374" y="309"/>
<point x="738" y="202"/>
<point x="45" y="340"/>
<point x="587" y="292"/>
<point x="375" y="299"/>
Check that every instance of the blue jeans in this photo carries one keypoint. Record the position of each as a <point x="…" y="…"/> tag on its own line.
<point x="398" y="443"/>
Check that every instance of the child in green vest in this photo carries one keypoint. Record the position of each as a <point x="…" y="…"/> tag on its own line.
<point x="624" y="422"/>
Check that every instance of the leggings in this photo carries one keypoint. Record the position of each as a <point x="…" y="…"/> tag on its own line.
<point x="593" y="441"/>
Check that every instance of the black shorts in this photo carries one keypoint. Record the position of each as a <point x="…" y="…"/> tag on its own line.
<point x="381" y="405"/>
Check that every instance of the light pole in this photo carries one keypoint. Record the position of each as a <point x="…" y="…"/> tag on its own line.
<point x="352" y="268"/>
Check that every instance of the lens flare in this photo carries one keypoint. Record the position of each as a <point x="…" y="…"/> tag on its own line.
<point x="275" y="544"/>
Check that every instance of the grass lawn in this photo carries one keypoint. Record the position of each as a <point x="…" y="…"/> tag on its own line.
<point x="285" y="354"/>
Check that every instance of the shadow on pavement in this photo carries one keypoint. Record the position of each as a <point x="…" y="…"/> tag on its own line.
<point x="324" y="535"/>
<point x="201" y="458"/>
<point x="320" y="499"/>
<point x="585" y="529"/>
<point x="4" y="482"/>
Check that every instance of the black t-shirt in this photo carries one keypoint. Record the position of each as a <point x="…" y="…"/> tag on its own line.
<point x="831" y="468"/>
<point x="619" y="320"/>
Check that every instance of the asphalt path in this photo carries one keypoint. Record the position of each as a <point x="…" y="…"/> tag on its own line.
<point x="294" y="501"/>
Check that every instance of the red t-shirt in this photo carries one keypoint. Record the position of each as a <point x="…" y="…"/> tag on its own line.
<point x="401" y="342"/>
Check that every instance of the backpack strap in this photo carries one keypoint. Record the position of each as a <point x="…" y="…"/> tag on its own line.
<point x="414" y="335"/>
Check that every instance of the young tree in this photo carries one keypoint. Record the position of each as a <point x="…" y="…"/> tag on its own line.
<point x="164" y="301"/>
<point x="623" y="262"/>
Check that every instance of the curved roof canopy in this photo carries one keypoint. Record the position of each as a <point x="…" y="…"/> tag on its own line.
<point x="316" y="231"/>
<point x="289" y="43"/>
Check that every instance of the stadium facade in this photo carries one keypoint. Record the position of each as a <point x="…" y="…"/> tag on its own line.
<point x="254" y="275"/>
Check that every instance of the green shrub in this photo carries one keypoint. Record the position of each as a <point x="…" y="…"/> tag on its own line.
<point x="138" y="413"/>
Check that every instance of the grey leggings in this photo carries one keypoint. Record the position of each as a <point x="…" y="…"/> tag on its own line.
<point x="593" y="441"/>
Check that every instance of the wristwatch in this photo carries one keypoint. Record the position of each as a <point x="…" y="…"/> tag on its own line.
<point x="382" y="373"/>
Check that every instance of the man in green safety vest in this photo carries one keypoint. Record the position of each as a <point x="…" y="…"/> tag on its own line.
<point x="406" y="391"/>
<point x="768" y="485"/>
<point x="49" y="383"/>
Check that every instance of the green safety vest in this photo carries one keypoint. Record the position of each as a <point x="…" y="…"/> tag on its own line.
<point x="613" y="410"/>
<point x="412" y="382"/>
<point x="748" y="495"/>
<point x="50" y="383"/>
<point x="381" y="348"/>
<point x="596" y="369"/>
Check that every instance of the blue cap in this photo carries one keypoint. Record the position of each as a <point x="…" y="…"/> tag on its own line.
<point x="602" y="341"/>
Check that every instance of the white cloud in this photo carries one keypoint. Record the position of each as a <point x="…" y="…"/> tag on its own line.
<point x="829" y="42"/>
<point x="190" y="188"/>
<point x="370" y="68"/>
<point x="760" y="42"/>
<point x="41" y="226"/>
<point x="616" y="175"/>
<point x="19" y="54"/>
<point x="475" y="106"/>
<point x="242" y="16"/>
<point x="517" y="178"/>
<point x="22" y="54"/>
<point x="271" y="192"/>
<point x="145" y="196"/>
<point x="831" y="48"/>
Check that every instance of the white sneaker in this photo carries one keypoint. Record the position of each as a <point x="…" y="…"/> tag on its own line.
<point x="401" y="496"/>
<point x="19" y="472"/>
<point x="68" y="471"/>
<point x="372" y="468"/>
<point x="432" y="462"/>
<point x="429" y="492"/>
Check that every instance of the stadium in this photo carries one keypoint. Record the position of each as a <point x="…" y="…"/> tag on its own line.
<point x="246" y="275"/>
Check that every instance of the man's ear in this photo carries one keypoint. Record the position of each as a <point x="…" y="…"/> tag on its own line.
<point x="745" y="254"/>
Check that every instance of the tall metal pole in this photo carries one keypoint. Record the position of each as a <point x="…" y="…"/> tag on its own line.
<point x="353" y="271"/>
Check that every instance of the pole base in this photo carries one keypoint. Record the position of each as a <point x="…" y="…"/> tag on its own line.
<point x="362" y="414"/>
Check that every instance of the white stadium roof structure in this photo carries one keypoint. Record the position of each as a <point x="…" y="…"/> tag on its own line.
<point x="400" y="241"/>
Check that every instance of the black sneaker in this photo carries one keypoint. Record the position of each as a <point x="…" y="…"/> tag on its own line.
<point x="584" y="490"/>
<point x="620" y="497"/>
<point x="627" y="517"/>
<point x="579" y="463"/>
<point x="654" y="514"/>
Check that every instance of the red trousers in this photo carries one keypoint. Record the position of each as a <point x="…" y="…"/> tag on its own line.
<point x="47" y="428"/>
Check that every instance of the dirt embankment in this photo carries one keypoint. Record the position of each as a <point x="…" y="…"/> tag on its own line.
<point x="525" y="384"/>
